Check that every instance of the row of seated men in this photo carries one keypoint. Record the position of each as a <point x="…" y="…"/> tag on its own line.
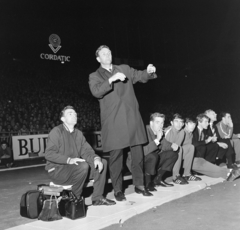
<point x="202" y="145"/>
<point x="69" y="156"/>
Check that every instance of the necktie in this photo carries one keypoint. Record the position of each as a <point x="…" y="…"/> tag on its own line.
<point x="201" y="136"/>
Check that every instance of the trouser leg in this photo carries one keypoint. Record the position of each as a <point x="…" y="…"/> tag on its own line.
<point x="74" y="175"/>
<point x="99" y="181"/>
<point x="236" y="146"/>
<point x="211" y="153"/>
<point x="150" y="162"/>
<point x="200" y="151"/>
<point x="166" y="163"/>
<point x="188" y="153"/>
<point x="202" y="166"/>
<point x="167" y="160"/>
<point x="115" y="168"/>
<point x="137" y="165"/>
<point x="177" y="165"/>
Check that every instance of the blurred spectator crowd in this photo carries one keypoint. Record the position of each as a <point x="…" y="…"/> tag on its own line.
<point x="32" y="97"/>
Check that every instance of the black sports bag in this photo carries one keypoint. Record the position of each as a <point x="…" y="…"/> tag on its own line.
<point x="31" y="204"/>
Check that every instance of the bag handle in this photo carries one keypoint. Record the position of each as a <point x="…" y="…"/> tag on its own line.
<point x="51" y="201"/>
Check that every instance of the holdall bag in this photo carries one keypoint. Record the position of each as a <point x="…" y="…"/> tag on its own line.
<point x="50" y="210"/>
<point x="31" y="204"/>
<point x="75" y="209"/>
<point x="72" y="207"/>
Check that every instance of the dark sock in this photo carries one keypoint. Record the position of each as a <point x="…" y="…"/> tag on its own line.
<point x="147" y="179"/>
<point x="160" y="173"/>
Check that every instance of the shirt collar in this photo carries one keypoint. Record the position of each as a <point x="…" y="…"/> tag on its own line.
<point x="102" y="69"/>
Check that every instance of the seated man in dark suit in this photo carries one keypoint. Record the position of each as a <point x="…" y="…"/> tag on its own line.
<point x="225" y="149"/>
<point x="205" y="146"/>
<point x="158" y="149"/>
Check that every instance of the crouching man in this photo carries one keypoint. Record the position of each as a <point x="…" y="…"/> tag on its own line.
<point x="69" y="158"/>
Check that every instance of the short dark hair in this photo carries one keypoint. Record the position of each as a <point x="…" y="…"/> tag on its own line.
<point x="223" y="114"/>
<point x="154" y="115"/>
<point x="201" y="116"/>
<point x="64" y="109"/>
<point x="190" y="120"/>
<point x="100" y="48"/>
<point x="177" y="116"/>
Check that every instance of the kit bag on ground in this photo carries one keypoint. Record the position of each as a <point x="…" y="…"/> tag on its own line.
<point x="31" y="204"/>
<point x="50" y="210"/>
<point x="72" y="207"/>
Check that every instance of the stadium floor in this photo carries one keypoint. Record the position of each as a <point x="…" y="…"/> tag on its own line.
<point x="14" y="182"/>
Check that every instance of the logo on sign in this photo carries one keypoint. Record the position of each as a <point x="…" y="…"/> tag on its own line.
<point x="55" y="42"/>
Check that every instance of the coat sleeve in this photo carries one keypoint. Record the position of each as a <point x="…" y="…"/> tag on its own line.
<point x="52" y="152"/>
<point x="99" y="87"/>
<point x="138" y="75"/>
<point x="166" y="145"/>
<point x="85" y="150"/>
<point x="150" y="147"/>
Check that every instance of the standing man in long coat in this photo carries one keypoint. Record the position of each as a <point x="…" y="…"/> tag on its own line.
<point x="121" y="122"/>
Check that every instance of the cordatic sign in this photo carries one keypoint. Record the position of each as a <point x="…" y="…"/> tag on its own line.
<point x="54" y="45"/>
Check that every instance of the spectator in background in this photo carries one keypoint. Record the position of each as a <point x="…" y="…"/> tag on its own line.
<point x="6" y="155"/>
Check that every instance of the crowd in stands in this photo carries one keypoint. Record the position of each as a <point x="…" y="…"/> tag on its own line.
<point x="32" y="96"/>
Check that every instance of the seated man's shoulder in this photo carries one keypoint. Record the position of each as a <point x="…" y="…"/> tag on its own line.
<point x="167" y="130"/>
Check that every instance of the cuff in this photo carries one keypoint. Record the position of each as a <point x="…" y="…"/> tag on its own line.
<point x="97" y="158"/>
<point x="157" y="142"/>
<point x="68" y="160"/>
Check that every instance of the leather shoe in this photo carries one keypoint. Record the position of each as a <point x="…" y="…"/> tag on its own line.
<point x="160" y="183"/>
<point x="234" y="174"/>
<point x="233" y="166"/>
<point x="144" y="192"/>
<point x="103" y="201"/>
<point x="119" y="196"/>
<point x="167" y="184"/>
<point x="151" y="187"/>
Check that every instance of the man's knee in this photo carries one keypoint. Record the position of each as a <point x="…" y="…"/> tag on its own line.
<point x="151" y="157"/>
<point x="173" y="155"/>
<point x="83" y="167"/>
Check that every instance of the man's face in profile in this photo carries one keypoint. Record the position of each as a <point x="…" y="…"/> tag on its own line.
<point x="204" y="123"/>
<point x="212" y="115"/>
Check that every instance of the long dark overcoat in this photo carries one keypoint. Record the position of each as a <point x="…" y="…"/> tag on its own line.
<point x="121" y="122"/>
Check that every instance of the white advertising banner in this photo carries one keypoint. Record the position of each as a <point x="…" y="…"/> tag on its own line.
<point x="30" y="146"/>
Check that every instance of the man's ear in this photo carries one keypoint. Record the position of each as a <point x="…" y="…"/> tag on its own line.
<point x="151" y="123"/>
<point x="63" y="119"/>
<point x="98" y="59"/>
<point x="171" y="123"/>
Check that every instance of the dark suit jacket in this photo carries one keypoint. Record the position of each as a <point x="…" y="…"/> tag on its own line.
<point x="151" y="145"/>
<point x="195" y="140"/>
